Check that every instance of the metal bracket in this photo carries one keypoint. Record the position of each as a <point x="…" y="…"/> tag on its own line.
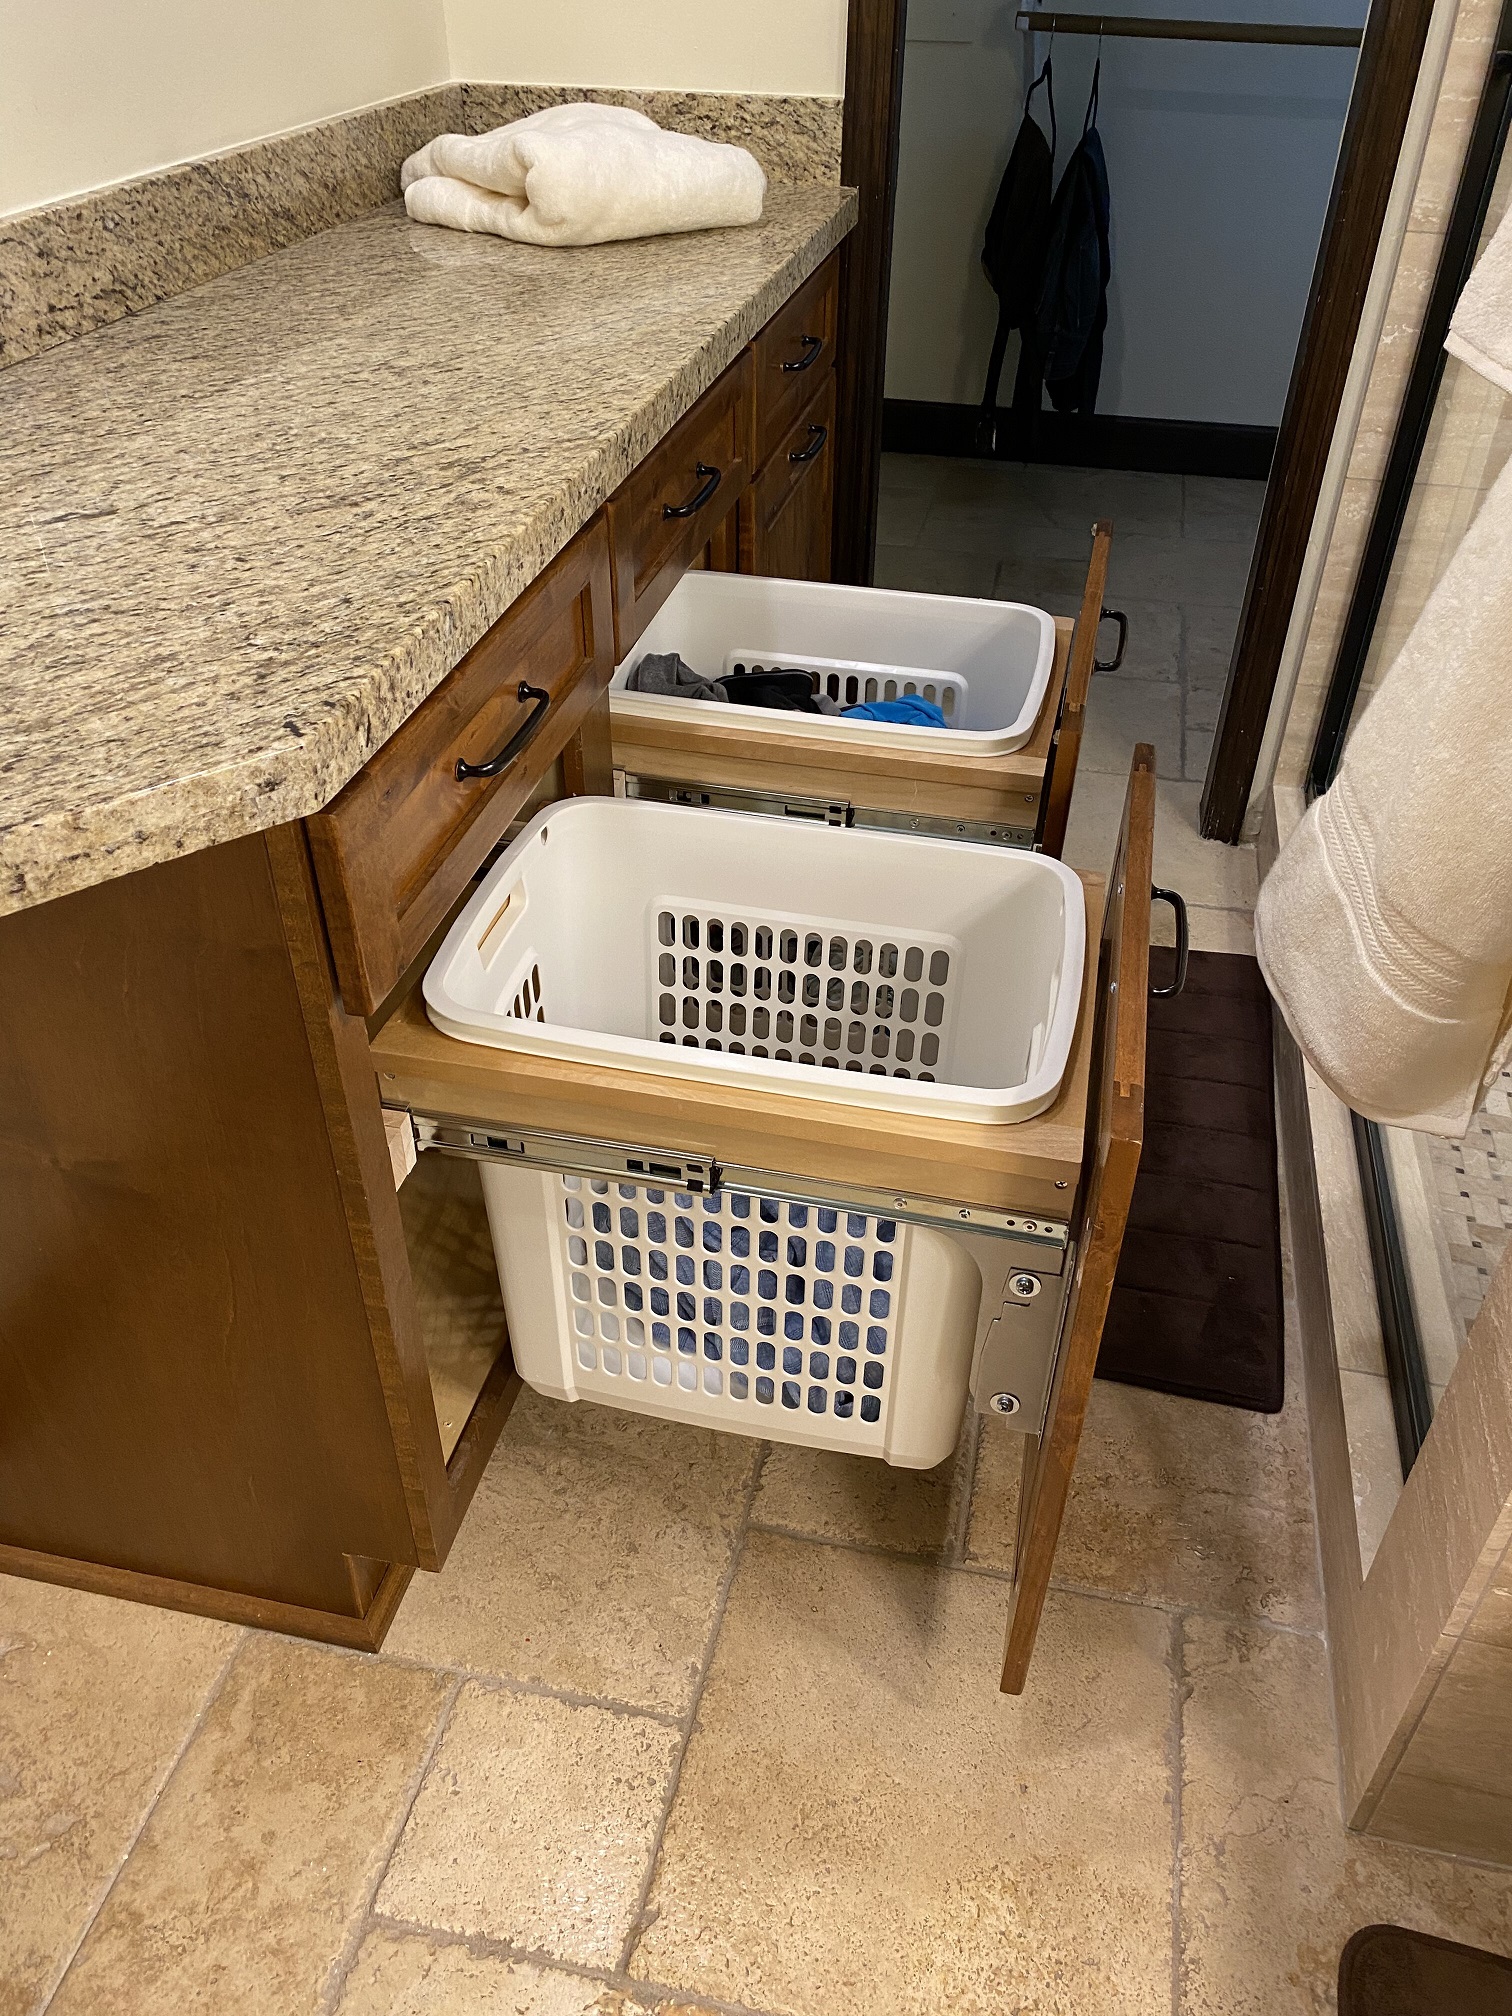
<point x="985" y="832"/>
<point x="832" y="811"/>
<point x="1042" y="1241"/>
<point x="733" y="798"/>
<point x="617" y="1161"/>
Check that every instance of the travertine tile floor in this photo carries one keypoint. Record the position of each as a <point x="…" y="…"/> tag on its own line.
<point x="690" y="1723"/>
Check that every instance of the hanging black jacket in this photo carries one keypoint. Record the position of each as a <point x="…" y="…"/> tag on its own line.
<point x="1072" y="310"/>
<point x="1013" y="251"/>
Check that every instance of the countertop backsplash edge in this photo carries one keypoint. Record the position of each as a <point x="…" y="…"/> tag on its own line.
<point x="75" y="266"/>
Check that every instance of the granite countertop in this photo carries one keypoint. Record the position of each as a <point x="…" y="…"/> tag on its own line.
<point x="245" y="533"/>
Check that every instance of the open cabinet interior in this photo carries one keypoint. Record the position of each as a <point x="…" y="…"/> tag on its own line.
<point x="456" y="1286"/>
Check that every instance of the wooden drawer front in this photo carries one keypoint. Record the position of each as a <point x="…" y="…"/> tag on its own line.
<point x="786" y="518"/>
<point x="398" y="846"/>
<point x="654" y="534"/>
<point x="792" y="354"/>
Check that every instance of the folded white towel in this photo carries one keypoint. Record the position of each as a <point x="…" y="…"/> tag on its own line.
<point x="581" y="175"/>
<point x="1481" y="330"/>
<point x="1385" y="928"/>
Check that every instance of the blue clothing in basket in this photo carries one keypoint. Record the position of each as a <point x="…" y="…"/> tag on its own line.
<point x="911" y="711"/>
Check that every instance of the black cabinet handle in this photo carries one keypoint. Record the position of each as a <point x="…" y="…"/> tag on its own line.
<point x="1183" y="942"/>
<point x="700" y="497"/>
<point x="1114" y="616"/>
<point x="815" y="446"/>
<point x="517" y="743"/>
<point x="812" y="345"/>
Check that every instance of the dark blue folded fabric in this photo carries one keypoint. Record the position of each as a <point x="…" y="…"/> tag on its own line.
<point x="911" y="711"/>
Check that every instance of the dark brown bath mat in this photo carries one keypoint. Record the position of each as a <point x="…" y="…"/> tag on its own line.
<point x="1386" y="1971"/>
<point x="1196" y="1306"/>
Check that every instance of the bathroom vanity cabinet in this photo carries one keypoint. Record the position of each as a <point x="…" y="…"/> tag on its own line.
<point x="234" y="1375"/>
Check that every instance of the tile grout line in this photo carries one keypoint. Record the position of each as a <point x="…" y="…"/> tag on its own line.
<point x="716" y="1624"/>
<point x="341" y="1966"/>
<point x="938" y="1558"/>
<point x="508" y="1683"/>
<point x="1177" y="1749"/>
<point x="956" y="1552"/>
<point x="197" y="1722"/>
<point x="485" y="1945"/>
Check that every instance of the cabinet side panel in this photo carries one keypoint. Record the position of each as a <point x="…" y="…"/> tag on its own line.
<point x="187" y="1377"/>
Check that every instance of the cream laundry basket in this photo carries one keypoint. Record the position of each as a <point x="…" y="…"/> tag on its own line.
<point x="985" y="664"/>
<point x="851" y="968"/>
<point x="802" y="1323"/>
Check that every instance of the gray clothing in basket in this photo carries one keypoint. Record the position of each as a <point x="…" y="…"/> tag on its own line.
<point x="664" y="673"/>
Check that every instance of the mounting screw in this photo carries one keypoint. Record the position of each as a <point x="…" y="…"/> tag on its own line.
<point x="1024" y="1286"/>
<point x="1061" y="1183"/>
<point x="1004" y="1403"/>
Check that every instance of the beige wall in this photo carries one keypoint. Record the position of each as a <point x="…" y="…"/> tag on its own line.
<point x="95" y="91"/>
<point x="689" y="45"/>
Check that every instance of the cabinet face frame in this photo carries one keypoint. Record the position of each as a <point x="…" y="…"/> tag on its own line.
<point x="397" y="847"/>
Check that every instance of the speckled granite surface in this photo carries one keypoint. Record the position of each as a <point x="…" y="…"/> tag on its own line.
<point x="243" y="534"/>
<point x="794" y="139"/>
<point x="74" y="267"/>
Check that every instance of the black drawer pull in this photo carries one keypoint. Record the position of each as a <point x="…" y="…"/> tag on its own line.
<point x="815" y="446"/>
<point x="517" y="743"/>
<point x="812" y="345"/>
<point x="1183" y="942"/>
<point x="700" y="497"/>
<point x="1114" y="616"/>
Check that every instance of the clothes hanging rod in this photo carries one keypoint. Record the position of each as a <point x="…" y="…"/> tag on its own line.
<point x="1151" y="28"/>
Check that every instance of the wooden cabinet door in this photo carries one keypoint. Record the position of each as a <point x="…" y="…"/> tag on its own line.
<point x="786" y="517"/>
<point x="1115" y="1130"/>
<point x="1065" y="745"/>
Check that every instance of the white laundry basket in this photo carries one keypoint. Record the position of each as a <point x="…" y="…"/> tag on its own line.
<point x="797" y="1322"/>
<point x="914" y="975"/>
<point x="986" y="664"/>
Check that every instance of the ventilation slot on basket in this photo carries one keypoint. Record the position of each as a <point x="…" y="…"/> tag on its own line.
<point x="805" y="993"/>
<point x="526" y="1006"/>
<point x="851" y="683"/>
<point x="732" y="1302"/>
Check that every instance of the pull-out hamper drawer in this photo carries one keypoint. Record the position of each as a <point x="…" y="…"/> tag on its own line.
<point x="1011" y="683"/>
<point x="398" y="846"/>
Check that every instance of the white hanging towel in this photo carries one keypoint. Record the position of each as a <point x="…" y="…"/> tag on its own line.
<point x="1385" y="928"/>
<point x="581" y="175"/>
<point x="1480" y="333"/>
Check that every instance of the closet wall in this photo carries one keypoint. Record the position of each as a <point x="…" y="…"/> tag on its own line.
<point x="1220" y="157"/>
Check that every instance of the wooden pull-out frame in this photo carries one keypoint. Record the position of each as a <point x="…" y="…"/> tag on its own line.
<point x="1065" y="743"/>
<point x="1011" y="792"/>
<point x="1115" y="1131"/>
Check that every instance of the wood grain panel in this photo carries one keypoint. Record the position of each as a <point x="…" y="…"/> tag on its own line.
<point x="1115" y="1129"/>
<point x="787" y="515"/>
<point x="792" y="356"/>
<point x="397" y="847"/>
<point x="651" y="547"/>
